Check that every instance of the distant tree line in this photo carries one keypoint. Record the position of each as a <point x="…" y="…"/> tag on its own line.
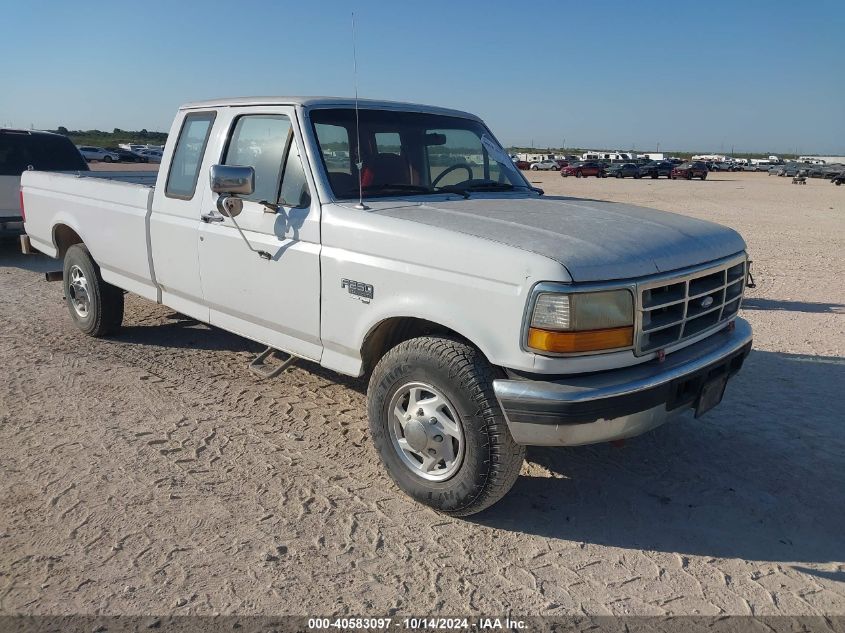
<point x="101" y="138"/>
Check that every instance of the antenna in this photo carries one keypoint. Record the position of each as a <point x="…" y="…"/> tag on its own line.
<point x="360" y="163"/>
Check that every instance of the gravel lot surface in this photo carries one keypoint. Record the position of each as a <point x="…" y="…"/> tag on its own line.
<point x="151" y="473"/>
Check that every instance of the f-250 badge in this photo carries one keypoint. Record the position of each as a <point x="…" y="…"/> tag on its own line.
<point x="358" y="289"/>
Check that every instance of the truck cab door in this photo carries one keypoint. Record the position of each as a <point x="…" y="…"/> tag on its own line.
<point x="175" y="219"/>
<point x="273" y="300"/>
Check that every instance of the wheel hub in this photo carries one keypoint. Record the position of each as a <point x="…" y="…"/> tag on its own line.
<point x="78" y="292"/>
<point x="426" y="431"/>
<point x="416" y="435"/>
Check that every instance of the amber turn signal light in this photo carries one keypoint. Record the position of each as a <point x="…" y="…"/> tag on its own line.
<point x="584" y="341"/>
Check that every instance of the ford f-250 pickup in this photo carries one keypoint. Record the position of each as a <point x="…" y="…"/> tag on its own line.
<point x="399" y="241"/>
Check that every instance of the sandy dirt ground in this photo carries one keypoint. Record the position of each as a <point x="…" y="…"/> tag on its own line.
<point x="150" y="473"/>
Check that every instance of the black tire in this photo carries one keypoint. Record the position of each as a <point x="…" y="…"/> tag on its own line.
<point x="578" y="174"/>
<point x="105" y="310"/>
<point x="107" y="159"/>
<point x="703" y="176"/>
<point x="654" y="176"/>
<point x="491" y="460"/>
<point x="619" y="174"/>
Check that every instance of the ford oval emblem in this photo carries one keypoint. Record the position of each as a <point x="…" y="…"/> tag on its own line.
<point x="706" y="302"/>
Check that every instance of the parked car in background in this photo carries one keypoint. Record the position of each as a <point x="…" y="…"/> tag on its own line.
<point x="790" y="169"/>
<point x="152" y="155"/>
<point x="656" y="169"/>
<point x="127" y="156"/>
<point x="91" y="153"/>
<point x="26" y="150"/>
<point x="833" y="170"/>
<point x="623" y="170"/>
<point x="723" y="166"/>
<point x="584" y="168"/>
<point x="689" y="171"/>
<point x="561" y="163"/>
<point x="544" y="165"/>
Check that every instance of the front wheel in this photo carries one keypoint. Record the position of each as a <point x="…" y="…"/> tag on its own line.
<point x="96" y="307"/>
<point x="438" y="428"/>
<point x="578" y="174"/>
<point x="107" y="159"/>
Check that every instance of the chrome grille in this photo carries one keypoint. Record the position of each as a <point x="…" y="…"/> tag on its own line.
<point x="674" y="309"/>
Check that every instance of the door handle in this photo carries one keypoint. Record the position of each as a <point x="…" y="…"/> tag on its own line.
<point x="210" y="217"/>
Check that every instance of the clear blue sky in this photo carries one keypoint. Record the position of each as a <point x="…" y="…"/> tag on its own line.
<point x="756" y="75"/>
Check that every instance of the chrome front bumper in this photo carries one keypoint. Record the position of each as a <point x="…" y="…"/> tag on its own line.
<point x="612" y="405"/>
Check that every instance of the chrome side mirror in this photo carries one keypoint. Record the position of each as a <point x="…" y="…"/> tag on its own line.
<point x="232" y="179"/>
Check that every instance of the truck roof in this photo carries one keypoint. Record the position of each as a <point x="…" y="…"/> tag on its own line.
<point x="12" y="130"/>
<point x="324" y="102"/>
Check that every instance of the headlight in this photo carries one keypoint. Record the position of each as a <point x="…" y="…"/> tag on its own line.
<point x="567" y="323"/>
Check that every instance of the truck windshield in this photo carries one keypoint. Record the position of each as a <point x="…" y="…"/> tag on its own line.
<point x="45" y="152"/>
<point x="410" y="153"/>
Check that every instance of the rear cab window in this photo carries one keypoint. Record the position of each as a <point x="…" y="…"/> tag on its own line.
<point x="188" y="155"/>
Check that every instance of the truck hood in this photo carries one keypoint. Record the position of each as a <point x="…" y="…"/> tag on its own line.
<point x="595" y="241"/>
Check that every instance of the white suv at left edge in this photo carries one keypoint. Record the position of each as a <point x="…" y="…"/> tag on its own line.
<point x="545" y="165"/>
<point x="90" y="153"/>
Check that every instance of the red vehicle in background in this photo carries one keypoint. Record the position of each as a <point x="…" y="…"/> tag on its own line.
<point x="689" y="171"/>
<point x="583" y="169"/>
<point x="522" y="164"/>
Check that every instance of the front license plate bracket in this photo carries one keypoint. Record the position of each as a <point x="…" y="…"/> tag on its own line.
<point x="711" y="395"/>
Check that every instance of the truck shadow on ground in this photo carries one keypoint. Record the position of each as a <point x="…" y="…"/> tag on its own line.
<point x="11" y="257"/>
<point x="759" y="478"/>
<point x="186" y="333"/>
<point x="792" y="306"/>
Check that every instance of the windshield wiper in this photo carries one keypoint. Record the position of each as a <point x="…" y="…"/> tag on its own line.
<point x="481" y="186"/>
<point x="492" y="186"/>
<point x="452" y="189"/>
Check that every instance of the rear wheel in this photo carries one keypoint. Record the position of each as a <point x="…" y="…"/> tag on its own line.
<point x="438" y="428"/>
<point x="95" y="306"/>
<point x="107" y="159"/>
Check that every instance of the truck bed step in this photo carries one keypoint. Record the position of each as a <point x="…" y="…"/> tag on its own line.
<point x="261" y="369"/>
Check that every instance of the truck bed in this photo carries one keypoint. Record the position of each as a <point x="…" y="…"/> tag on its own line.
<point x="109" y="211"/>
<point x="147" y="178"/>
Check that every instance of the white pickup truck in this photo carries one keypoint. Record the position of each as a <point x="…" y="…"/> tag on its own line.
<point x="399" y="241"/>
